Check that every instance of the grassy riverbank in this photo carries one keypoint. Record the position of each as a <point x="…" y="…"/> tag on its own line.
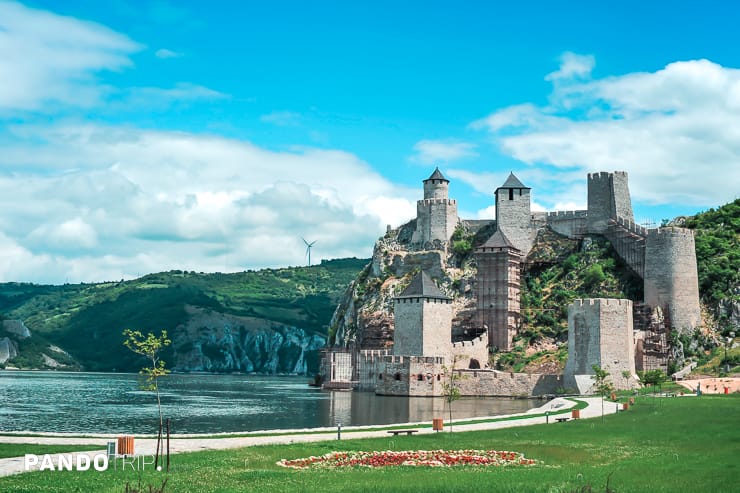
<point x="20" y="449"/>
<point x="664" y="444"/>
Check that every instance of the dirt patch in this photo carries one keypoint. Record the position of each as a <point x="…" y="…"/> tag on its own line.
<point x="713" y="385"/>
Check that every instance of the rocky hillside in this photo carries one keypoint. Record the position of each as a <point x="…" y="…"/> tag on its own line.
<point x="558" y="271"/>
<point x="271" y="321"/>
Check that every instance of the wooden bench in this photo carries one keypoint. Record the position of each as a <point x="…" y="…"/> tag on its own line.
<point x="396" y="432"/>
<point x="561" y="420"/>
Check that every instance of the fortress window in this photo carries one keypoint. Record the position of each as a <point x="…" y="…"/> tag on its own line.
<point x="380" y="376"/>
<point x="511" y="194"/>
<point x="397" y="376"/>
<point x="420" y="377"/>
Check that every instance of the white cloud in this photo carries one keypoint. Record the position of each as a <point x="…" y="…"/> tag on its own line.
<point x="182" y="92"/>
<point x="139" y="201"/>
<point x="573" y="66"/>
<point x="674" y="130"/>
<point x="164" y="53"/>
<point x="434" y="151"/>
<point x="72" y="52"/>
<point x="282" y="118"/>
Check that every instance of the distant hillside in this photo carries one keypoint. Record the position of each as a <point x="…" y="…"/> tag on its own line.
<point x="86" y="320"/>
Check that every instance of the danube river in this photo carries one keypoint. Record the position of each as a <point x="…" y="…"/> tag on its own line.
<point x="113" y="403"/>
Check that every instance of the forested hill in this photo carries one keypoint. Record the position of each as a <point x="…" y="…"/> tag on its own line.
<point x="87" y="320"/>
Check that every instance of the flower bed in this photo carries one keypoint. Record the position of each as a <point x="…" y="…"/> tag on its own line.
<point x="429" y="458"/>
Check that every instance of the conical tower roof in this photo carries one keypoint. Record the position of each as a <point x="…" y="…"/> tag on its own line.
<point x="422" y="286"/>
<point x="513" y="182"/>
<point x="499" y="240"/>
<point x="437" y="175"/>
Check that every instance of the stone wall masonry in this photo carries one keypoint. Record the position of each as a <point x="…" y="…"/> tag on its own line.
<point x="622" y="202"/>
<point x="436" y="189"/>
<point x="671" y="276"/>
<point x="436" y="219"/>
<point x="437" y="327"/>
<point x="600" y="333"/>
<point x="466" y="351"/>
<point x="369" y="366"/>
<point x="505" y="384"/>
<point x="424" y="377"/>
<point x="410" y="376"/>
<point x="409" y="322"/>
<point x="599" y="201"/>
<point x="573" y="224"/>
<point x="608" y="198"/>
<point x="628" y="240"/>
<point x="514" y="218"/>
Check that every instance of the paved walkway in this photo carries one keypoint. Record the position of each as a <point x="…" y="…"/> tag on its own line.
<point x="191" y="443"/>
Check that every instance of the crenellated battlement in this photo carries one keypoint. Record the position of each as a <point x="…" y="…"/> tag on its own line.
<point x="471" y="343"/>
<point x="407" y="360"/>
<point x="671" y="231"/>
<point x="566" y="215"/>
<point x="601" y="301"/>
<point x="437" y="202"/>
<point x="632" y="226"/>
<point x="605" y="175"/>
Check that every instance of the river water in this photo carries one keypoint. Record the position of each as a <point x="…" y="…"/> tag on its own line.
<point x="113" y="403"/>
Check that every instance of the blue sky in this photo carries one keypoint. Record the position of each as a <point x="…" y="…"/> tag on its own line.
<point x="211" y="136"/>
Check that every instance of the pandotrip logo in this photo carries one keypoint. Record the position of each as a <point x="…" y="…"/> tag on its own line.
<point x="86" y="462"/>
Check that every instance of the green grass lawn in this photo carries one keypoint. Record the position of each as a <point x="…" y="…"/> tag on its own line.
<point x="669" y="444"/>
<point x="20" y="449"/>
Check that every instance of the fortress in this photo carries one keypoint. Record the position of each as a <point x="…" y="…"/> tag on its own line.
<point x="618" y="335"/>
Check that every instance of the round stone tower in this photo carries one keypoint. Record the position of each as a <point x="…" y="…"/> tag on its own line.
<point x="436" y="214"/>
<point x="436" y="186"/>
<point x="671" y="278"/>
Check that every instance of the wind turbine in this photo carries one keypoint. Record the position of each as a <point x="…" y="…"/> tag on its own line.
<point x="308" y="249"/>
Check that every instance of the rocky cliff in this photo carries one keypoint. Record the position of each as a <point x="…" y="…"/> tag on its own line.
<point x="364" y="317"/>
<point x="218" y="342"/>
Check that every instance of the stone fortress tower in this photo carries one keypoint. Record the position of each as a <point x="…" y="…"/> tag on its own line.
<point x="436" y="214"/>
<point x="671" y="279"/>
<point x="608" y="198"/>
<point x="497" y="289"/>
<point x="423" y="318"/>
<point x="513" y="213"/>
<point x="600" y="333"/>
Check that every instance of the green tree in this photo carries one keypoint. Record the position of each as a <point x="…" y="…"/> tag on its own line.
<point x="150" y="347"/>
<point x="602" y="386"/>
<point x="450" y="386"/>
<point x="653" y="377"/>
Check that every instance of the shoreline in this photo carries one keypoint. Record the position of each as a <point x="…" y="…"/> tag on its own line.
<point x="589" y="407"/>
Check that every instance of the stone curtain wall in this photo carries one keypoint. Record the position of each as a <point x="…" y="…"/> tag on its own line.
<point x="423" y="377"/>
<point x="475" y="349"/>
<point x="573" y="224"/>
<point x="671" y="276"/>
<point x="504" y="384"/>
<point x="410" y="376"/>
<point x="370" y="365"/>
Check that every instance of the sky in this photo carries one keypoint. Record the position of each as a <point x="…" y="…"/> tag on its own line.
<point x="143" y="136"/>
